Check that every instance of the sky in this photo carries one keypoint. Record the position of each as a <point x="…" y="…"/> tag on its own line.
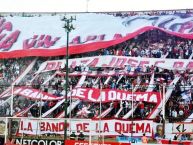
<point x="92" y="5"/>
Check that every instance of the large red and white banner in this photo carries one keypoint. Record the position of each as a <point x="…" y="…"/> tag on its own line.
<point x="118" y="62"/>
<point x="33" y="94"/>
<point x="89" y="94"/>
<point x="89" y="127"/>
<point x="109" y="95"/>
<point x="44" y="35"/>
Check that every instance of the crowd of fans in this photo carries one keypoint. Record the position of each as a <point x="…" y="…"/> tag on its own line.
<point x="151" y="44"/>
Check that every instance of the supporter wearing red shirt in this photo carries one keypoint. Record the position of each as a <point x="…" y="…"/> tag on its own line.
<point x="141" y="107"/>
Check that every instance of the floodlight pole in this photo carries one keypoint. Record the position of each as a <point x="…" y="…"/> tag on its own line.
<point x="68" y="28"/>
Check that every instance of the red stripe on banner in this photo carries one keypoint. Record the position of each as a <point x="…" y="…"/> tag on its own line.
<point x="165" y="141"/>
<point x="72" y="142"/>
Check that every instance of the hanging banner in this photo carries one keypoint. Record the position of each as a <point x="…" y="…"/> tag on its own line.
<point x="110" y="95"/>
<point x="118" y="62"/>
<point x="89" y="127"/>
<point x="33" y="94"/>
<point x="88" y="94"/>
<point x="44" y="35"/>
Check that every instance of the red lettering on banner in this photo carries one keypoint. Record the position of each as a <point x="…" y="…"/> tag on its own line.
<point x="106" y="127"/>
<point x="62" y="126"/>
<point x="178" y="64"/>
<point x="52" y="127"/>
<point x="44" y="41"/>
<point x="34" y="94"/>
<point x="75" y="40"/>
<point x="132" y="127"/>
<point x="190" y="65"/>
<point x="9" y="40"/>
<point x="120" y="62"/>
<point x="53" y="66"/>
<point x="55" y="127"/>
<point x="132" y="62"/>
<point x="5" y="25"/>
<point x="139" y="127"/>
<point x="79" y="127"/>
<point x="132" y="130"/>
<point x="48" y="127"/>
<point x="21" y="125"/>
<point x="117" y="36"/>
<point x="85" y="61"/>
<point x="29" y="127"/>
<point x="94" y="62"/>
<point x="58" y="66"/>
<point x="42" y="126"/>
<point x="157" y="62"/>
<point x="118" y="127"/>
<point x="85" y="127"/>
<point x="27" y="44"/>
<point x="113" y="95"/>
<point x="185" y="26"/>
<point x="90" y="38"/>
<point x="143" y="63"/>
<point x="111" y="62"/>
<point x="148" y="128"/>
<point x="101" y="37"/>
<point x="73" y="64"/>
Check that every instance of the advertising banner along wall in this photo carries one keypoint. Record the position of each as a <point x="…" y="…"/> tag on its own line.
<point x="44" y="35"/>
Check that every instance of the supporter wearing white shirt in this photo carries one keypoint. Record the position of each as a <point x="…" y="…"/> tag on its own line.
<point x="174" y="113"/>
<point x="181" y="113"/>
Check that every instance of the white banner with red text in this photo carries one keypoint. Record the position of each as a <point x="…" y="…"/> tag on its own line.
<point x="110" y="95"/>
<point x="89" y="127"/>
<point x="118" y="62"/>
<point x="43" y="35"/>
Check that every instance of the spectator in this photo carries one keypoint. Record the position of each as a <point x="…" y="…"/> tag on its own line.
<point x="73" y="136"/>
<point x="81" y="136"/>
<point x="144" y="139"/>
